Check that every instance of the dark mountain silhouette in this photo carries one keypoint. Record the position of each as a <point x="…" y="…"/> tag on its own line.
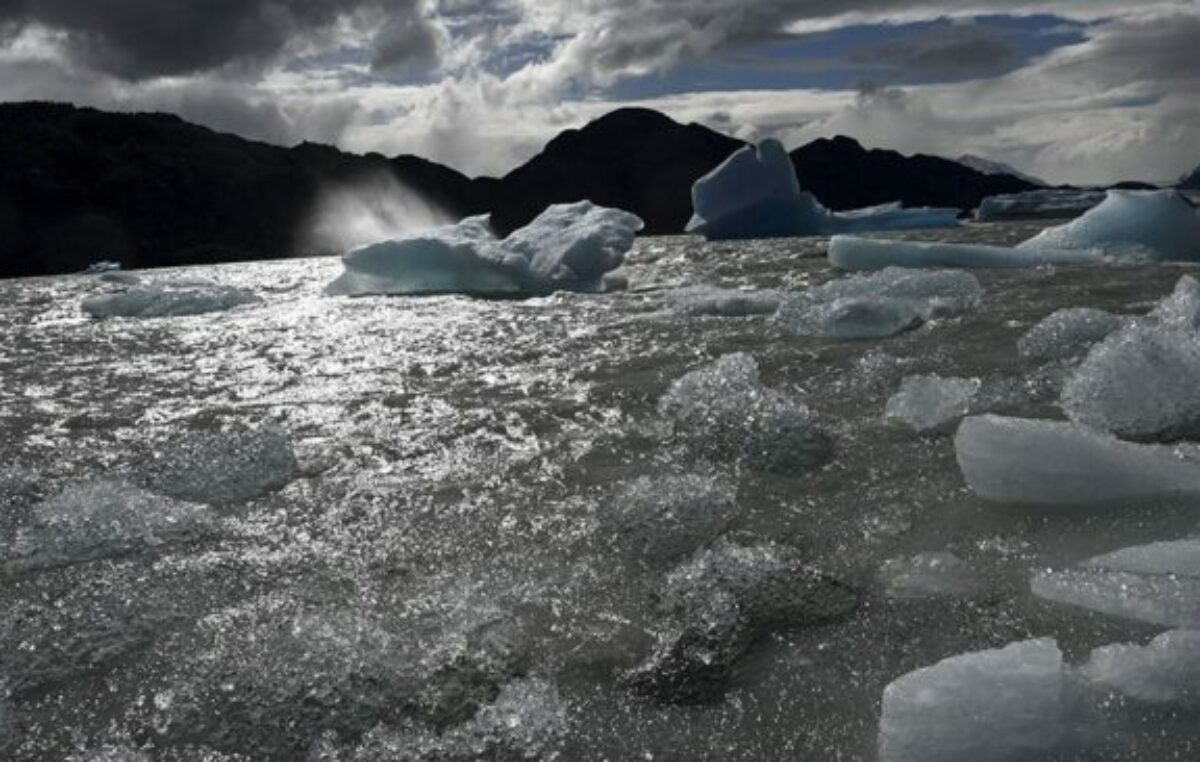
<point x="844" y="175"/>
<point x="149" y="190"/>
<point x="633" y="159"/>
<point x="1192" y="181"/>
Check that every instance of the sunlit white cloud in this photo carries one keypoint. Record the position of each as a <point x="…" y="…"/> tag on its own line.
<point x="482" y="85"/>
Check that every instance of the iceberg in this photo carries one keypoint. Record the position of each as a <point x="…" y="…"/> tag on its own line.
<point x="755" y="194"/>
<point x="1068" y="333"/>
<point x="724" y="302"/>
<point x="168" y="299"/>
<point x="987" y="706"/>
<point x="1140" y="381"/>
<point x="926" y="403"/>
<point x="1167" y="671"/>
<point x="723" y="411"/>
<point x="1130" y="225"/>
<point x="1048" y="203"/>
<point x="568" y="247"/>
<point x="1015" y="460"/>
<point x="878" y="305"/>
<point x="856" y="253"/>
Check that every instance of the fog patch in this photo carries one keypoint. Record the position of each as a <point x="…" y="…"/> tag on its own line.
<point x="372" y="209"/>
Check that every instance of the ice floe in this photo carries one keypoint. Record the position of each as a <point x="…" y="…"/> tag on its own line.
<point x="1139" y="382"/>
<point x="1157" y="583"/>
<point x="723" y="410"/>
<point x="168" y="299"/>
<point x="879" y="305"/>
<point x="926" y="403"/>
<point x="857" y="253"/>
<point x="724" y="599"/>
<point x="755" y="194"/>
<point x="1015" y="460"/>
<point x="1068" y="333"/>
<point x="989" y="706"/>
<point x="99" y="520"/>
<point x="1166" y="671"/>
<point x="568" y="247"/>
<point x="724" y="302"/>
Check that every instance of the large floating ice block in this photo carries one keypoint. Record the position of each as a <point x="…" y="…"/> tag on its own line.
<point x="755" y="194"/>
<point x="1014" y="460"/>
<point x="1167" y="671"/>
<point x="1068" y="333"/>
<point x="568" y="247"/>
<point x="855" y="253"/>
<point x="1130" y="225"/>
<point x="878" y="305"/>
<point x="1157" y="583"/>
<point x="1002" y="705"/>
<point x="1140" y="382"/>
<point x="1163" y="599"/>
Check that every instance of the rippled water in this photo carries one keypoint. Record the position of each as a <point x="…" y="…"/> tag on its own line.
<point x="442" y="574"/>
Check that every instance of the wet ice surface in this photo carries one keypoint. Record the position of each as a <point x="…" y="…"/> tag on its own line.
<point x="457" y="549"/>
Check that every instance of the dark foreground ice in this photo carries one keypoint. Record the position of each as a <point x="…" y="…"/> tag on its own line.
<point x="659" y="524"/>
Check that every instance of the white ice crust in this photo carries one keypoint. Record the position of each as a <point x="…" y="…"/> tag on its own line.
<point x="568" y="247"/>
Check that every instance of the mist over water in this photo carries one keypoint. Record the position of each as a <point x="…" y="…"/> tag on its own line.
<point x="375" y="208"/>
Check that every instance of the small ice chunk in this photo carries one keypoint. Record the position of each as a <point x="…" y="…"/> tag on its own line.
<point x="1180" y="557"/>
<point x="1162" y="599"/>
<point x="168" y="299"/>
<point x="723" y="410"/>
<point x="103" y="266"/>
<point x="986" y="706"/>
<point x="1046" y="203"/>
<point x="223" y="467"/>
<point x="1067" y="333"/>
<point x="1137" y="383"/>
<point x="1130" y="225"/>
<point x="926" y="403"/>
<point x="1167" y="671"/>
<point x="568" y="247"/>
<point x="725" y="302"/>
<point x="664" y="518"/>
<point x="854" y="253"/>
<point x="928" y="575"/>
<point x="1015" y="460"/>
<point x="880" y="304"/>
<point x="99" y="520"/>
<point x="755" y="194"/>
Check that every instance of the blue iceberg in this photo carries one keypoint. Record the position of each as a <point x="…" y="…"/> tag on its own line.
<point x="755" y="194"/>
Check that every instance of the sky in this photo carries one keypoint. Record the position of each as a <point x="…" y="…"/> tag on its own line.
<point x="1081" y="91"/>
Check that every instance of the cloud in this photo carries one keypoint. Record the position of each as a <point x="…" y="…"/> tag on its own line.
<point x="140" y="39"/>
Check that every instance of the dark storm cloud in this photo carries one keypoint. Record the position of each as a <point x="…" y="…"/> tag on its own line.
<point x="942" y="51"/>
<point x="137" y="39"/>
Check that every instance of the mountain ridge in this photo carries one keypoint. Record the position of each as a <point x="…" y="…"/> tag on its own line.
<point x="79" y="185"/>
